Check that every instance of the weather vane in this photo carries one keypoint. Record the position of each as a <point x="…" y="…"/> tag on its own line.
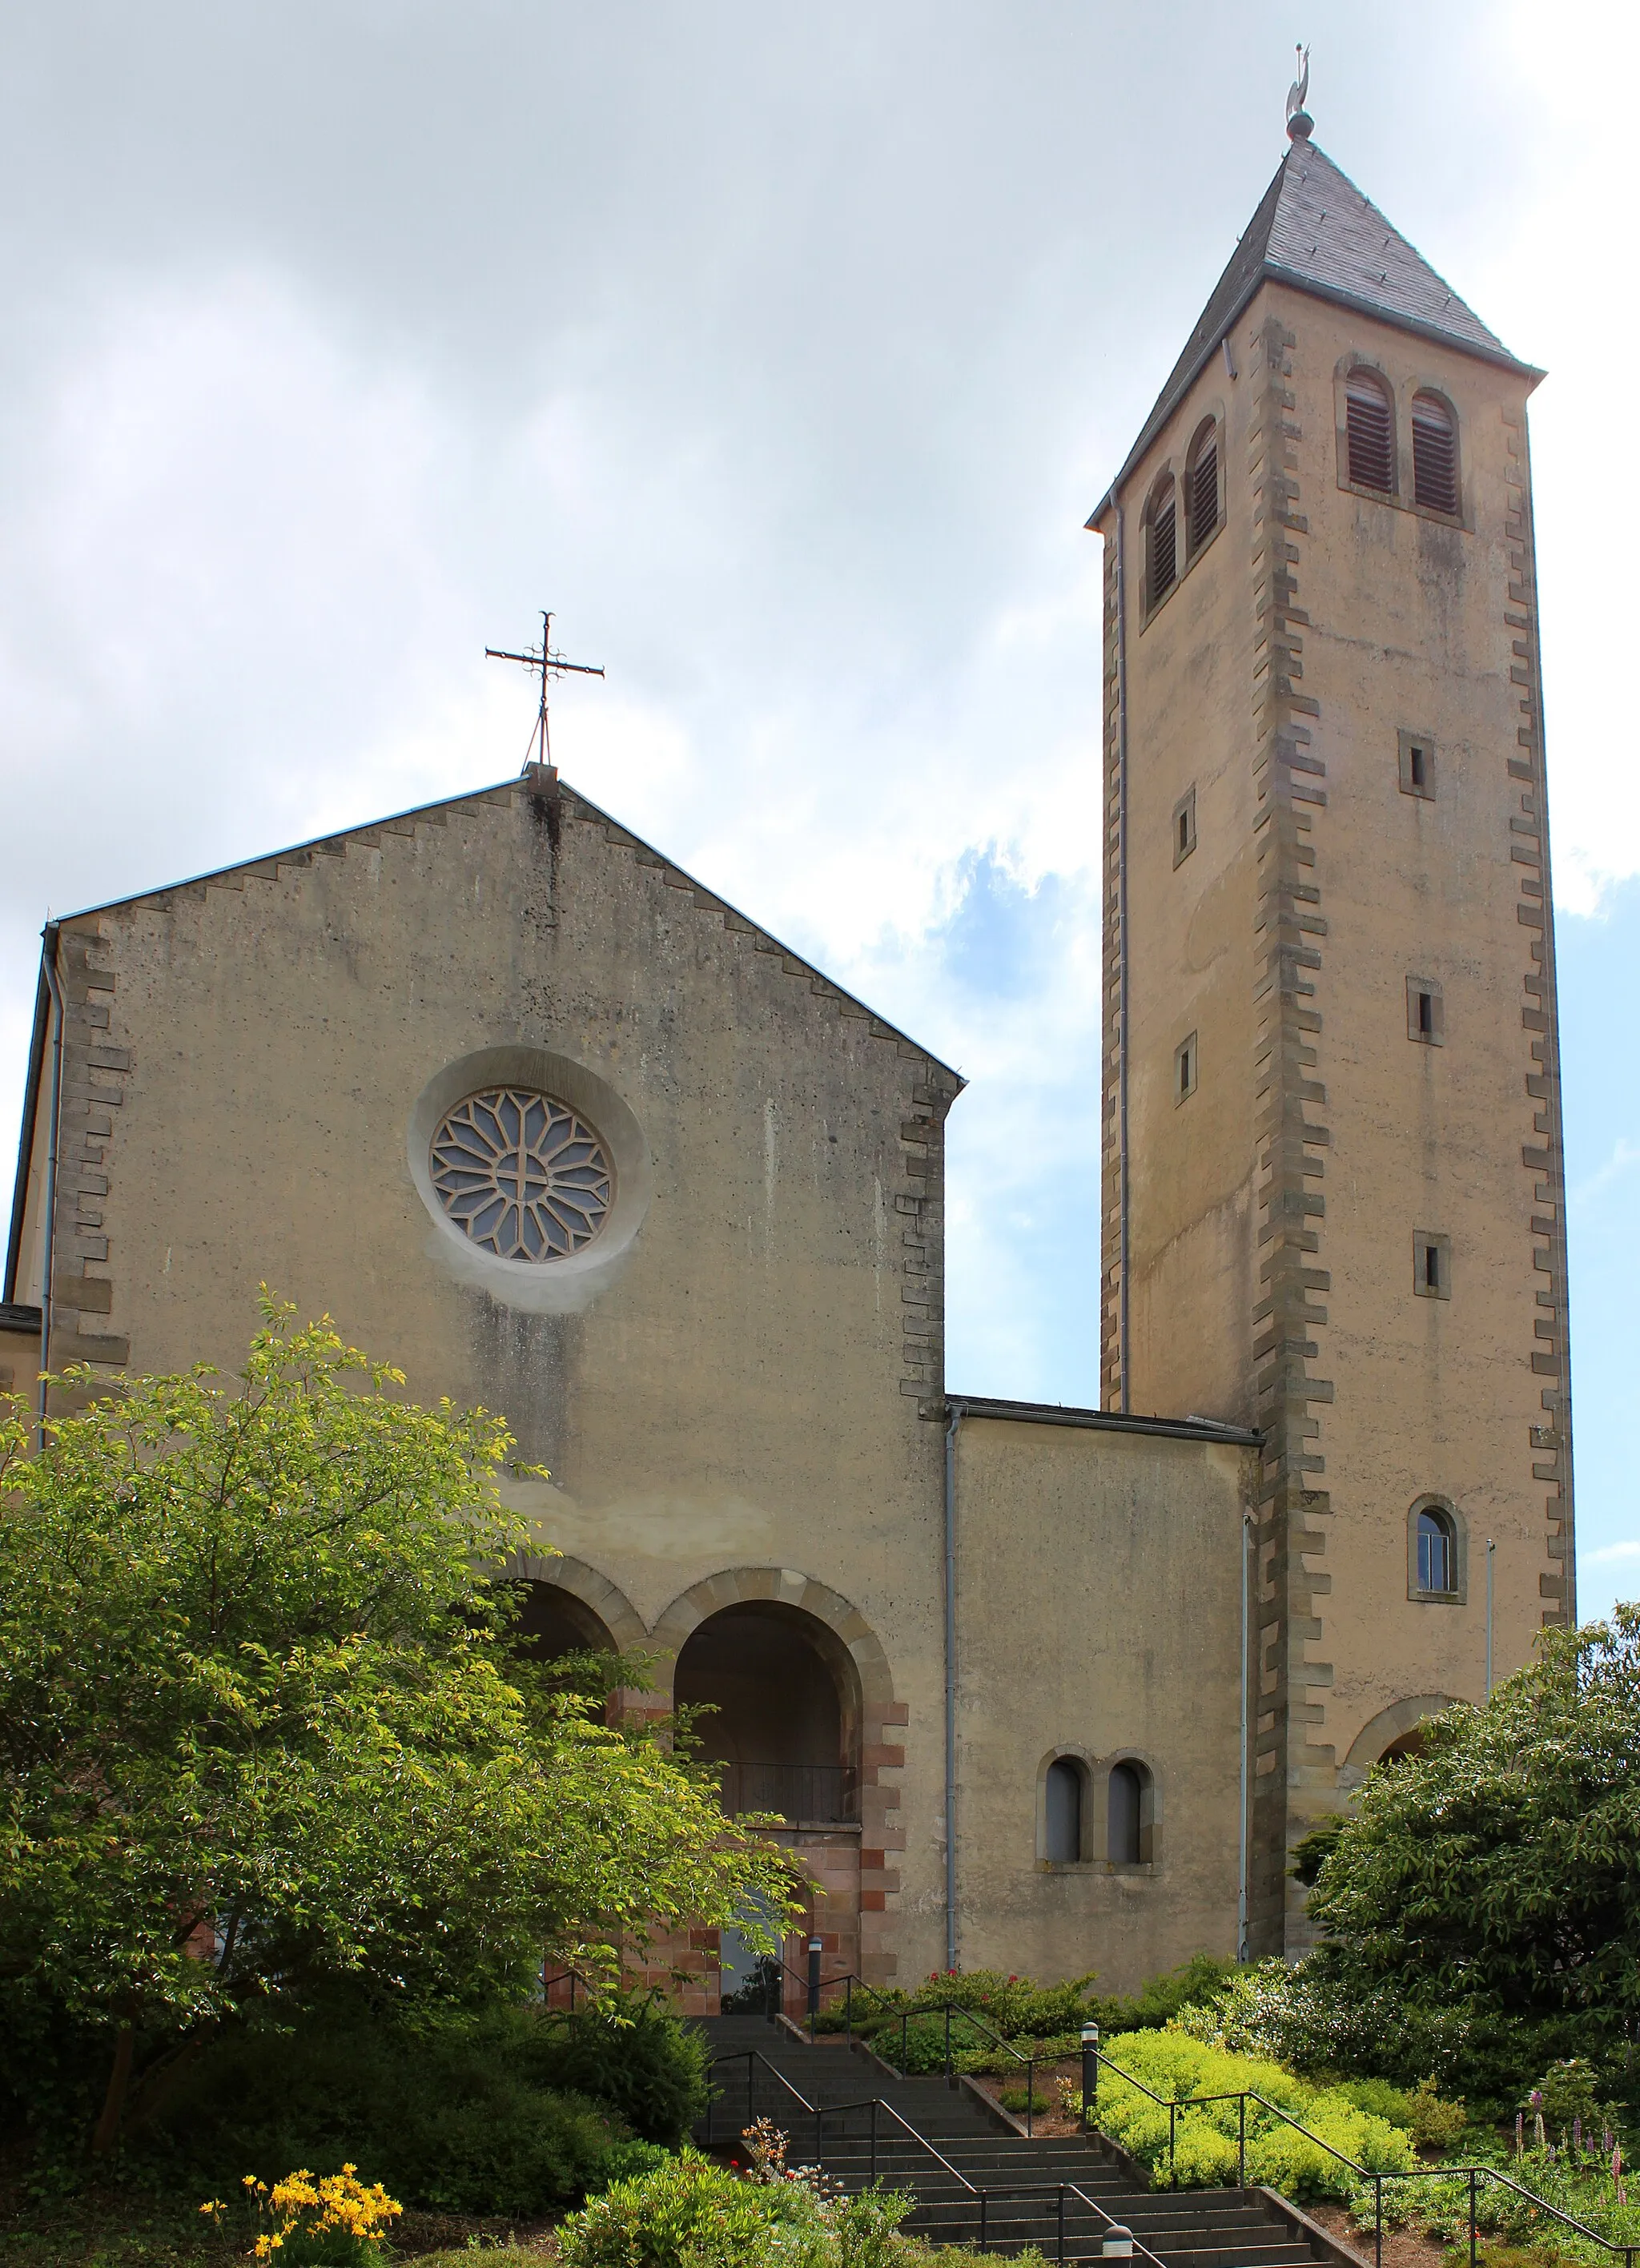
<point x="1299" y="122"/>
<point x="551" y="665"/>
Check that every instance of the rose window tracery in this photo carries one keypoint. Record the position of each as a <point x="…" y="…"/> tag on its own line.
<point x="522" y="1175"/>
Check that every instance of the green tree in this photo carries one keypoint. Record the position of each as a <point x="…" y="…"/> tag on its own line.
<point x="1497" y="1872"/>
<point x="261" y="1729"/>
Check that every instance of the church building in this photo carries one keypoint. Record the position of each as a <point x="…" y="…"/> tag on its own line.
<point x="540" y="1117"/>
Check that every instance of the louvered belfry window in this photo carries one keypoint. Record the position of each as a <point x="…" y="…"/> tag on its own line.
<point x="1204" y="487"/>
<point x="1434" y="454"/>
<point x="1371" y="434"/>
<point x="1164" y="544"/>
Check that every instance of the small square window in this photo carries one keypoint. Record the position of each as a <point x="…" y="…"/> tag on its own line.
<point x="1426" y="1012"/>
<point x="1184" y="827"/>
<point x="1431" y="1265"/>
<point x="1417" y="765"/>
<point x="1185" y="1069"/>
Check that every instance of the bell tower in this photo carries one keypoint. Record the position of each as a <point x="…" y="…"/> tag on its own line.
<point x="1333" y="1188"/>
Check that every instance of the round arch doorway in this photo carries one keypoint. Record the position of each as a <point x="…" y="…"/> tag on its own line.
<point x="779" y="1698"/>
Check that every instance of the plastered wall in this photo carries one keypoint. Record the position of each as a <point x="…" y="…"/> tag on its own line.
<point x="1273" y="1212"/>
<point x="1099" y="1601"/>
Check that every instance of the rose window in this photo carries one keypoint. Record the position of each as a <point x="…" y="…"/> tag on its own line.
<point x="521" y="1175"/>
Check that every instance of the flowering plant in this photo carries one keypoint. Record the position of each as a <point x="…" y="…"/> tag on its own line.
<point x="331" y="2221"/>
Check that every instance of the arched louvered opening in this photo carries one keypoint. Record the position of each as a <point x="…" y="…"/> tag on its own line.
<point x="1062" y="1840"/>
<point x="1369" y="433"/>
<point x="1202" y="485"/>
<point x="1434" y="454"/>
<point x="1161" y="566"/>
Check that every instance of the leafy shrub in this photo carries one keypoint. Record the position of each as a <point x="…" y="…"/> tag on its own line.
<point x="691" y="2213"/>
<point x="1159" y="1999"/>
<point x="1568" y="2095"/>
<point x="625" y="2161"/>
<point x="1432" y="2123"/>
<point x="461" y="2115"/>
<point x="635" y="2055"/>
<point x="1180" y="2069"/>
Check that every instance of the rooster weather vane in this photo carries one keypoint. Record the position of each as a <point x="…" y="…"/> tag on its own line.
<point x="1299" y="121"/>
<point x="551" y="665"/>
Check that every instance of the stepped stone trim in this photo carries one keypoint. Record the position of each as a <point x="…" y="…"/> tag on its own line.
<point x="1549" y="1445"/>
<point x="1289" y="1683"/>
<point x="94" y="1073"/>
<point x="1112" y="1382"/>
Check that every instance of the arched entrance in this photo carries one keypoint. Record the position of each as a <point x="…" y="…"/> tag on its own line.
<point x="780" y="1705"/>
<point x="553" y="1621"/>
<point x="789" y="1693"/>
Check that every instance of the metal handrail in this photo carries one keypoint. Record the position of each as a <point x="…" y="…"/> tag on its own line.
<point x="983" y="2194"/>
<point x="1242" y="2096"/>
<point x="575" y="1977"/>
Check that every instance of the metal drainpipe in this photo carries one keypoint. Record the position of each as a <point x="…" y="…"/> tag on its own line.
<point x="1241" y="1862"/>
<point x="1121" y="945"/>
<point x="48" y="958"/>
<point x="953" y="1412"/>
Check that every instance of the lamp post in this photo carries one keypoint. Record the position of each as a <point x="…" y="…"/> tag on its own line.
<point x="1090" y="2080"/>
<point x="814" y="1962"/>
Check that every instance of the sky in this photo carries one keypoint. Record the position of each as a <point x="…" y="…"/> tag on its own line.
<point x="782" y="352"/>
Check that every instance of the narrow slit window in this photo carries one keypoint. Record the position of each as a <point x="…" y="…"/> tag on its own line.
<point x="1369" y="434"/>
<point x="1431" y="1265"/>
<point x="1203" y="484"/>
<point x="1185" y="1068"/>
<point x="1184" y="827"/>
<point x="1417" y="765"/>
<point x="1426" y="1021"/>
<point x="1434" y="454"/>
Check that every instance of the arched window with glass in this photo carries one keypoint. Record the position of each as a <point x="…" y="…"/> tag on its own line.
<point x="1436" y="1559"/>
<point x="1130" y="1814"/>
<point x="1435" y="454"/>
<point x="1062" y="1792"/>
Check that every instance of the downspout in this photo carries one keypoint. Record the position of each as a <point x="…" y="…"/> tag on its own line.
<point x="48" y="961"/>
<point x="954" y="1418"/>
<point x="1121" y="949"/>
<point x="1241" y="1858"/>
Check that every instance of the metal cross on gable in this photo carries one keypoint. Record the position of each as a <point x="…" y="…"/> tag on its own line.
<point x="551" y="665"/>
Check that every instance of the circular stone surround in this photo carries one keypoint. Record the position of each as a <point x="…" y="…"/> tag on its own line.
<point x="567" y="1284"/>
<point x="521" y="1175"/>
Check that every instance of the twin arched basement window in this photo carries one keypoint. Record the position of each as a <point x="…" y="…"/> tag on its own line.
<point x="1127" y="1841"/>
<point x="1062" y="1842"/>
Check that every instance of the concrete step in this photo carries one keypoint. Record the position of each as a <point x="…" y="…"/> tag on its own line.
<point x="1184" y="2229"/>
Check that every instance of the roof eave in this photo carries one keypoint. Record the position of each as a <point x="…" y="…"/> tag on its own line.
<point x="1271" y="273"/>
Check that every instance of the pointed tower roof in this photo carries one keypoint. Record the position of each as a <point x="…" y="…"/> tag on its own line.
<point x="1314" y="230"/>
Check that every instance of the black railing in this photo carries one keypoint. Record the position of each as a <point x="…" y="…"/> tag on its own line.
<point x="1092" y="2057"/>
<point x="794" y="1791"/>
<point x="880" y="2114"/>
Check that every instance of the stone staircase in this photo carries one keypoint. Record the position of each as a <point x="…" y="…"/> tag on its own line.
<point x="1189" y="2228"/>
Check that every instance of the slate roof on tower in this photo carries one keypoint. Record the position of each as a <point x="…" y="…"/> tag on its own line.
<point x="1314" y="230"/>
